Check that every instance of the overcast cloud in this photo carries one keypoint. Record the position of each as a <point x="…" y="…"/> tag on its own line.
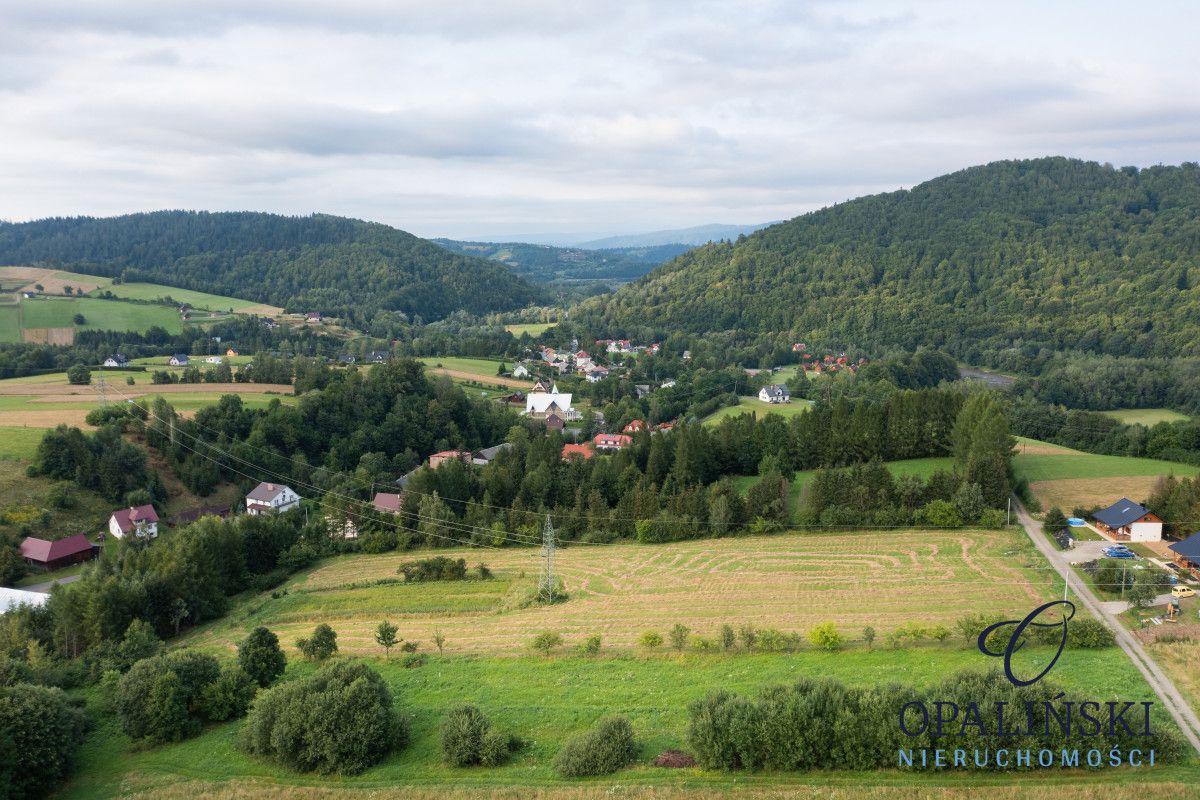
<point x="476" y="119"/>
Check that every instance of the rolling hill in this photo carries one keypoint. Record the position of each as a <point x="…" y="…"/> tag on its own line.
<point x="343" y="267"/>
<point x="700" y="234"/>
<point x="1050" y="253"/>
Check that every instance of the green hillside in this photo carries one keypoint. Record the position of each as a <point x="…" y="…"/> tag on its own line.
<point x="1050" y="253"/>
<point x="342" y="267"/>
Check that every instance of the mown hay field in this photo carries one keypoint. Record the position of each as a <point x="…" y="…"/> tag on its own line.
<point x="883" y="579"/>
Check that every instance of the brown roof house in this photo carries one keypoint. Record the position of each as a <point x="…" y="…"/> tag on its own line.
<point x="387" y="502"/>
<point x="57" y="554"/>
<point x="141" y="521"/>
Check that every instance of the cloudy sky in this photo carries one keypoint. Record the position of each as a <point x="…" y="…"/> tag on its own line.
<point x="477" y="119"/>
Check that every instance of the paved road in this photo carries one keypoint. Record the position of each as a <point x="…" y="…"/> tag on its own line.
<point x="1162" y="685"/>
<point x="44" y="588"/>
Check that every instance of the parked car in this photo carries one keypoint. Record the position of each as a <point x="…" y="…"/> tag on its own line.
<point x="1119" y="551"/>
<point x="1183" y="591"/>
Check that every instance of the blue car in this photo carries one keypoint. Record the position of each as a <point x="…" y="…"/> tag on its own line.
<point x="1119" y="551"/>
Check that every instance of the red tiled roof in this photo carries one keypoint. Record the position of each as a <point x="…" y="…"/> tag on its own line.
<point x="44" y="551"/>
<point x="613" y="440"/>
<point x="387" y="501"/>
<point x="126" y="517"/>
<point x="582" y="450"/>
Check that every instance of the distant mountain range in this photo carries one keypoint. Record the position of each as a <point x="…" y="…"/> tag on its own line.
<point x="1035" y="256"/>
<point x="700" y="234"/>
<point x="342" y="267"/>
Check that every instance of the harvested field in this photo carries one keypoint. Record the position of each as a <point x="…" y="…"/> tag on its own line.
<point x="458" y="374"/>
<point x="789" y="582"/>
<point x="55" y="282"/>
<point x="62" y="391"/>
<point x="59" y="336"/>
<point x="1088" y="492"/>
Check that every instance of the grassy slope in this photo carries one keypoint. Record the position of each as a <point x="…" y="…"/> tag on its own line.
<point x="56" y="312"/>
<point x="758" y="408"/>
<point x="1146" y="416"/>
<point x="544" y="700"/>
<point x="201" y="300"/>
<point x="532" y="328"/>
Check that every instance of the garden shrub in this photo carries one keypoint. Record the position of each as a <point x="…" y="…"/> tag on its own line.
<point x="339" y="719"/>
<point x="606" y="748"/>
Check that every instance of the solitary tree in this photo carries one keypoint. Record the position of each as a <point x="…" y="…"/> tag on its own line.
<point x="260" y="657"/>
<point x="868" y="636"/>
<point x="79" y="375"/>
<point x="727" y="637"/>
<point x="679" y="636"/>
<point x="439" y="641"/>
<point x="385" y="634"/>
<point x="321" y="645"/>
<point x="651" y="640"/>
<point x="545" y="642"/>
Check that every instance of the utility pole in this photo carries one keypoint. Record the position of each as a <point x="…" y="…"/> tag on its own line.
<point x="1122" y="579"/>
<point x="1008" y="516"/>
<point x="548" y="547"/>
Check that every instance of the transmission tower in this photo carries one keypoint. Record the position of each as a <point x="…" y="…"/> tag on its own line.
<point x="549" y="545"/>
<point x="102" y="389"/>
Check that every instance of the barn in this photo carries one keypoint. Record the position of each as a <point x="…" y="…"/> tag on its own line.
<point x="57" y="554"/>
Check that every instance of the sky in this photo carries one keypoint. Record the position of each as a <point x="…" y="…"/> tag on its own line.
<point x="491" y="119"/>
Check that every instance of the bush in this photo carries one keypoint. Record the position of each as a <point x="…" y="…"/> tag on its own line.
<point x="260" y="657"/>
<point x="651" y="640"/>
<point x="993" y="519"/>
<point x="321" y="645"/>
<point x="468" y="738"/>
<point x="727" y="637"/>
<point x="79" y="375"/>
<point x="941" y="514"/>
<point x="679" y="636"/>
<point x="590" y="646"/>
<point x="826" y="637"/>
<point x="229" y="695"/>
<point x="40" y="733"/>
<point x="158" y="700"/>
<point x="546" y="641"/>
<point x="339" y="719"/>
<point x="1089" y="633"/>
<point x="606" y="748"/>
<point x="412" y="660"/>
<point x="438" y="568"/>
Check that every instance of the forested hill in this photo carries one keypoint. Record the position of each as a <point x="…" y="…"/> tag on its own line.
<point x="1049" y="253"/>
<point x="547" y="264"/>
<point x="344" y="267"/>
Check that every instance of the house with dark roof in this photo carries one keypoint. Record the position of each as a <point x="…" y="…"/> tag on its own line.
<point x="377" y="357"/>
<point x="387" y="502"/>
<point x="59" y="553"/>
<point x="141" y="521"/>
<point x="116" y="360"/>
<point x="1127" y="521"/>
<point x="178" y="360"/>
<point x="775" y="393"/>
<point x="1187" y="554"/>
<point x="274" y="498"/>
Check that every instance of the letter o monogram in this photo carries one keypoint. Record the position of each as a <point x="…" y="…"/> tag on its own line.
<point x="1015" y="643"/>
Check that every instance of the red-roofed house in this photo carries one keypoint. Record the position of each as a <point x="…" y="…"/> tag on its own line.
<point x="612" y="441"/>
<point x="583" y="451"/>
<point x="437" y="459"/>
<point x="635" y="426"/>
<point x="387" y="502"/>
<point x="61" y="553"/>
<point x="141" y="521"/>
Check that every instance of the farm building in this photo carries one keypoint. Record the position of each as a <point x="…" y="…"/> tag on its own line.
<point x="13" y="598"/>
<point x="1187" y="554"/>
<point x="775" y="393"/>
<point x="1127" y="521"/>
<point x="141" y="521"/>
<point x="57" y="554"/>
<point x="271" y="497"/>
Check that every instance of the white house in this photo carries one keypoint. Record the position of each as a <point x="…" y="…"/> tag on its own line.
<point x="116" y="360"/>
<point x="178" y="360"/>
<point x="775" y="393"/>
<point x="213" y="359"/>
<point x="272" y="498"/>
<point x="520" y="371"/>
<point x="1127" y="521"/>
<point x="140" y="521"/>
<point x="13" y="598"/>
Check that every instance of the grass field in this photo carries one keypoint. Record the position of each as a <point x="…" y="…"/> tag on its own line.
<point x="758" y="408"/>
<point x="58" y="312"/>
<point x="18" y="444"/>
<point x="619" y="591"/>
<point x="532" y="328"/>
<point x="10" y="322"/>
<point x="1146" y="416"/>
<point x="921" y="467"/>
<point x="1066" y="478"/>
<point x="483" y="370"/>
<point x="200" y="300"/>
<point x="545" y="700"/>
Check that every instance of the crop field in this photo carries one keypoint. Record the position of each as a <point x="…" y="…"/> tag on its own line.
<point x="1146" y="416"/>
<point x="757" y="407"/>
<point x="532" y="328"/>
<point x="44" y="401"/>
<point x="1059" y="476"/>
<point x="618" y="591"/>
<point x="473" y="369"/>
